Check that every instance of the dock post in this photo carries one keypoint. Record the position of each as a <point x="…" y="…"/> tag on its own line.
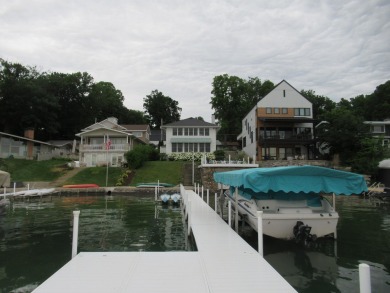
<point x="189" y="217"/>
<point x="75" y="232"/>
<point x="260" y="231"/>
<point x="208" y="196"/>
<point x="364" y="278"/>
<point x="155" y="193"/>
<point x="14" y="188"/>
<point x="230" y="213"/>
<point x="202" y="192"/>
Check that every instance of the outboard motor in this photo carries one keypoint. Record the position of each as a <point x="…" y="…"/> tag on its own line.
<point x="302" y="233"/>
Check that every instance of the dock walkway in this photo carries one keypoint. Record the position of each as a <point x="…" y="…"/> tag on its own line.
<point x="223" y="263"/>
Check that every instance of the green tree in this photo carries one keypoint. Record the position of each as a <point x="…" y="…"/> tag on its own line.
<point x="321" y="104"/>
<point x="73" y="94"/>
<point x="367" y="159"/>
<point x="343" y="133"/>
<point x="378" y="103"/>
<point x="232" y="99"/>
<point x="160" y="108"/>
<point x="25" y="101"/>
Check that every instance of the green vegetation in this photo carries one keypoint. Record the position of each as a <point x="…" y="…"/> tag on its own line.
<point x="152" y="171"/>
<point x="96" y="175"/>
<point x="30" y="170"/>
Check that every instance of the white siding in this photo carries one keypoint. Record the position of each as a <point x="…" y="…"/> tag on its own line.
<point x="248" y="129"/>
<point x="285" y="96"/>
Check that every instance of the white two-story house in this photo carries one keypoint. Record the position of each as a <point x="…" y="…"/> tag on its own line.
<point x="279" y="126"/>
<point x="106" y="142"/>
<point x="190" y="135"/>
<point x="380" y="129"/>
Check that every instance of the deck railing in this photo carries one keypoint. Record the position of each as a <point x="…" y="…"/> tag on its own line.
<point x="102" y="147"/>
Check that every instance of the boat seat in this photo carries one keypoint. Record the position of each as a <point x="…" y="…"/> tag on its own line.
<point x="295" y="211"/>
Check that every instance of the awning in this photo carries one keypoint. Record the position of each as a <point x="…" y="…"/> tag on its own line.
<point x="296" y="179"/>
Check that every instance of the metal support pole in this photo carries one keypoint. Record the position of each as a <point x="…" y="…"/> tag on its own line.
<point x="364" y="278"/>
<point x="260" y="231"/>
<point x="216" y="203"/>
<point x="230" y="213"/>
<point x="155" y="193"/>
<point x="189" y="217"/>
<point x="202" y="192"/>
<point x="76" y="215"/>
<point x="208" y="196"/>
<point x="236" y="209"/>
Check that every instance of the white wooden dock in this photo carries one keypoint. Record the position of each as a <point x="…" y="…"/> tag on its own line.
<point x="223" y="263"/>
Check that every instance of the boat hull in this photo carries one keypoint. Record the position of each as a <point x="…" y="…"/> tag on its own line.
<point x="88" y="185"/>
<point x="280" y="223"/>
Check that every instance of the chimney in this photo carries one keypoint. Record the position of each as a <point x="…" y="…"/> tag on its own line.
<point x="213" y="118"/>
<point x="29" y="133"/>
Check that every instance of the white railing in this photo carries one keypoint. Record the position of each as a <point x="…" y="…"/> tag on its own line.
<point x="102" y="147"/>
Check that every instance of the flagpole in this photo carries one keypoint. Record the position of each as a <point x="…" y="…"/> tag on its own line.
<point x="107" y="147"/>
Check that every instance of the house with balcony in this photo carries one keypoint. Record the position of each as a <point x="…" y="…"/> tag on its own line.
<point x="106" y="142"/>
<point x="280" y="126"/>
<point x="189" y="135"/>
<point x="380" y="129"/>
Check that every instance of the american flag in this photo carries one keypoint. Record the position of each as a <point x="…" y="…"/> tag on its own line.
<point x="108" y="143"/>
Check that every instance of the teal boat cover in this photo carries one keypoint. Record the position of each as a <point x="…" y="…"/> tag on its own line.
<point x="294" y="179"/>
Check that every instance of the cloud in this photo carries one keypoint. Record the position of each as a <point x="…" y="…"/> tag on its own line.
<point x="337" y="48"/>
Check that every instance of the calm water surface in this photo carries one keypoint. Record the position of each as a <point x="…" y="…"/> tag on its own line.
<point x="36" y="236"/>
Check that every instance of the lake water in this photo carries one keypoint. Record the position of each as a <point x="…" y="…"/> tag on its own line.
<point x="36" y="238"/>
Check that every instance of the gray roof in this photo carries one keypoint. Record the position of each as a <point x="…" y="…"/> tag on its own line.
<point x="190" y="122"/>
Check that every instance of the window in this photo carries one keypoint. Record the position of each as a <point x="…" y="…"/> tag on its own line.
<point x="301" y="111"/>
<point x="284" y="111"/>
<point x="174" y="131"/>
<point x="185" y="131"/>
<point x="268" y="110"/>
<point x="207" y="145"/>
<point x="201" y="131"/>
<point x="195" y="131"/>
<point x="174" y="147"/>
<point x="180" y="131"/>
<point x="244" y="142"/>
<point x="378" y="129"/>
<point x="284" y="93"/>
<point x="201" y="147"/>
<point x="276" y="110"/>
<point x="206" y="132"/>
<point x="251" y="136"/>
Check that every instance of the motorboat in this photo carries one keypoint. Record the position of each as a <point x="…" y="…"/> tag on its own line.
<point x="30" y="192"/>
<point x="291" y="198"/>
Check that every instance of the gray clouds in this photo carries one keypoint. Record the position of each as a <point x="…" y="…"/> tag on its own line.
<point x="337" y="48"/>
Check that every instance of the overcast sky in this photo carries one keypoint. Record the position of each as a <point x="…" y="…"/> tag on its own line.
<point x="338" y="48"/>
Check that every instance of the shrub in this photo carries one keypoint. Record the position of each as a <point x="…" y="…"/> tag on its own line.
<point x="219" y="155"/>
<point x="141" y="153"/>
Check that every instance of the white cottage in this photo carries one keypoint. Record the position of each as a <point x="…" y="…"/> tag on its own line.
<point x="106" y="142"/>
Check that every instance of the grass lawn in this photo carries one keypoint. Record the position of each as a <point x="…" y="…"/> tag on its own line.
<point x="96" y="175"/>
<point x="31" y="170"/>
<point x="164" y="171"/>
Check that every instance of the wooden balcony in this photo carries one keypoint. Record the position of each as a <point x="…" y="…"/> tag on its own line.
<point x="285" y="139"/>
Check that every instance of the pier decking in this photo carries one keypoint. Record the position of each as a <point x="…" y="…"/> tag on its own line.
<point x="223" y="263"/>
